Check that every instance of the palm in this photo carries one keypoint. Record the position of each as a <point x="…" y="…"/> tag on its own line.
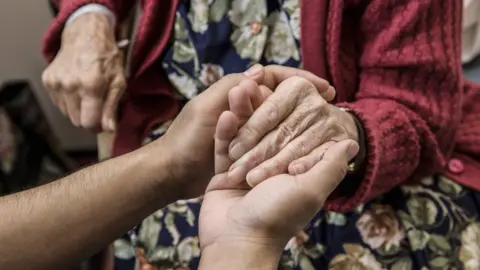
<point x="233" y="213"/>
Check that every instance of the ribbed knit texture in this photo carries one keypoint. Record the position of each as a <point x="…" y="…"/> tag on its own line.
<point x="395" y="63"/>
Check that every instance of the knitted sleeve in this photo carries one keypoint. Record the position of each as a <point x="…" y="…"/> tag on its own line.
<point x="410" y="96"/>
<point x="52" y="38"/>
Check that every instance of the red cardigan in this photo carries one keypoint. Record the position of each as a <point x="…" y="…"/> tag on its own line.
<point x="394" y="63"/>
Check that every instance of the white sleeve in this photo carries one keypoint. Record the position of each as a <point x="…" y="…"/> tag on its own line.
<point x="95" y="8"/>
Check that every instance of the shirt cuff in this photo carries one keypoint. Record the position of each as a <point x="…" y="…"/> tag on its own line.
<point x="92" y="8"/>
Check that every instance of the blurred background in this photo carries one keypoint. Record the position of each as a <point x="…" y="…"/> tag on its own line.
<point x="24" y="23"/>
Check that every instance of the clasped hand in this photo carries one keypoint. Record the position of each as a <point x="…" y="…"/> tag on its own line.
<point x="293" y="149"/>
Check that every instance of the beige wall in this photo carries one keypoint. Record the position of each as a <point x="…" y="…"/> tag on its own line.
<point x="23" y="23"/>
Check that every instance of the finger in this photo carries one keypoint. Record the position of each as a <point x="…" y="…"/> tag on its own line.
<point x="61" y="103"/>
<point x="257" y="94"/>
<point x="305" y="163"/>
<point x="330" y="171"/>
<point x="53" y="88"/>
<point x="266" y="92"/>
<point x="279" y="164"/>
<point x="245" y="98"/>
<point x="56" y="99"/>
<point x="91" y="112"/>
<point x="117" y="88"/>
<point x="110" y="109"/>
<point x="272" y="75"/>
<point x="240" y="103"/>
<point x="292" y="139"/>
<point x="227" y="127"/>
<point x="288" y="95"/>
<point x="220" y="182"/>
<point x="214" y="100"/>
<point x="72" y="103"/>
<point x="49" y="81"/>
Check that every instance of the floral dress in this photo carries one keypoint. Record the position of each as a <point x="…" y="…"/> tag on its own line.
<point x="430" y="225"/>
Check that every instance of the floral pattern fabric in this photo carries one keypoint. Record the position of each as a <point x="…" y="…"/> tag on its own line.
<point x="430" y="225"/>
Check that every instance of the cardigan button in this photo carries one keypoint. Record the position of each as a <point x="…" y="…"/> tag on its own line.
<point x="456" y="166"/>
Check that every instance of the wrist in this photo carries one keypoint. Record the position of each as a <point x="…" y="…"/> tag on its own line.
<point x="350" y="124"/>
<point x="242" y="254"/>
<point x="92" y="8"/>
<point x="156" y="167"/>
<point x="88" y="28"/>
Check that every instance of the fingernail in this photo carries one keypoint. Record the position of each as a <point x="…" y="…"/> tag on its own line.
<point x="236" y="151"/>
<point x="254" y="70"/>
<point x="352" y="150"/>
<point x="255" y="177"/>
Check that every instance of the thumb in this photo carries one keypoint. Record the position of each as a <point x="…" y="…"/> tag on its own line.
<point x="330" y="171"/>
<point x="115" y="93"/>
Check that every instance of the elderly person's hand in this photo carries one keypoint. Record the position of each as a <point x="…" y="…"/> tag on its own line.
<point x="290" y="132"/>
<point x="257" y="223"/>
<point x="191" y="134"/>
<point x="86" y="79"/>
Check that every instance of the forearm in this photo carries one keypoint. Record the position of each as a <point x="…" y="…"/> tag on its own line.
<point x="53" y="226"/>
<point x="240" y="255"/>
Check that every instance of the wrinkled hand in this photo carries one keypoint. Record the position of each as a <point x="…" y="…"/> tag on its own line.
<point x="290" y="132"/>
<point x="190" y="137"/>
<point x="86" y="79"/>
<point x="276" y="209"/>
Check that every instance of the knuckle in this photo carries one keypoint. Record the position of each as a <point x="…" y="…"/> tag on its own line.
<point x="330" y="122"/>
<point x="49" y="80"/>
<point x="294" y="153"/>
<point x="70" y="84"/>
<point x="46" y="76"/>
<point x="277" y="166"/>
<point x="93" y="83"/>
<point x="303" y="84"/>
<point x="319" y="103"/>
<point x="247" y="133"/>
<point x="251" y="160"/>
<point x="301" y="149"/>
<point x="272" y="112"/>
<point x="284" y="132"/>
